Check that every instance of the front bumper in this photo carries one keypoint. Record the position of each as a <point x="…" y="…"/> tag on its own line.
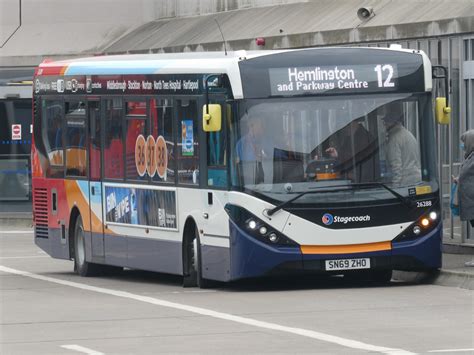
<point x="252" y="258"/>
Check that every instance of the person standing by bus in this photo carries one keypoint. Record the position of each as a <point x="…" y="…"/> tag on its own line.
<point x="403" y="157"/>
<point x="465" y="180"/>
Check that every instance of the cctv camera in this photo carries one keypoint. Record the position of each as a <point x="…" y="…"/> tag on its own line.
<point x="364" y="13"/>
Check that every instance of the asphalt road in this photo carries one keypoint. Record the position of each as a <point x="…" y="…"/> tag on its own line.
<point x="46" y="309"/>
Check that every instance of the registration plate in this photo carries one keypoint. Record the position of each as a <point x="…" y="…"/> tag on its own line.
<point x="348" y="264"/>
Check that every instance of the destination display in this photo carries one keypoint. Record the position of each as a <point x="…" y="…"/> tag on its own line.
<point x="144" y="207"/>
<point x="332" y="71"/>
<point x="119" y="84"/>
<point x="320" y="79"/>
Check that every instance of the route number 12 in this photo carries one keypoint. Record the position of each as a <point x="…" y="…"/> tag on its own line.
<point x="385" y="69"/>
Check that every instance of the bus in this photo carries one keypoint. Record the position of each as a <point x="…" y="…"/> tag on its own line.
<point x="226" y="166"/>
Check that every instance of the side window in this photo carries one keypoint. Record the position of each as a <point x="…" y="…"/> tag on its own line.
<point x="113" y="145"/>
<point x="162" y="130"/>
<point x="52" y="133"/>
<point x="75" y="139"/>
<point x="217" y="157"/>
<point x="136" y="141"/>
<point x="187" y="150"/>
<point x="95" y="140"/>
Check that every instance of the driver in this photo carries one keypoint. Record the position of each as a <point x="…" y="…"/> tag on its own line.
<point x="356" y="153"/>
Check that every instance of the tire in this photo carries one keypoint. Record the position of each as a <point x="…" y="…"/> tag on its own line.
<point x="193" y="265"/>
<point x="81" y="266"/>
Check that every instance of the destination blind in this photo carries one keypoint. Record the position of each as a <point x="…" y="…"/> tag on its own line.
<point x="172" y="84"/>
<point x="333" y="79"/>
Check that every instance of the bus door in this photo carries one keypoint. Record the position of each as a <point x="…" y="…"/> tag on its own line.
<point x="216" y="170"/>
<point x="215" y="241"/>
<point x="95" y="180"/>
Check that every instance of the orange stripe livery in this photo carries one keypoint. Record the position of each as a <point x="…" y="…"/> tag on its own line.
<point x="346" y="249"/>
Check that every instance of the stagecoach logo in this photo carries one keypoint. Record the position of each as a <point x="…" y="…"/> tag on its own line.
<point x="329" y="219"/>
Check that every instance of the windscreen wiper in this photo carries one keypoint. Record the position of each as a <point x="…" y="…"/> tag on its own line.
<point x="406" y="201"/>
<point x="364" y="185"/>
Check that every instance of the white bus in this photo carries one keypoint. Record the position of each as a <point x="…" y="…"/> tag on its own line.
<point x="223" y="167"/>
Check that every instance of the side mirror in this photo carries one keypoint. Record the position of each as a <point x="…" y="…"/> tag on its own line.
<point x="442" y="112"/>
<point x="211" y="118"/>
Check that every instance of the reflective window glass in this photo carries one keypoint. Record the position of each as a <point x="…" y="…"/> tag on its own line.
<point x="52" y="134"/>
<point x="113" y="145"/>
<point x="187" y="151"/>
<point x="162" y="127"/>
<point x="75" y="139"/>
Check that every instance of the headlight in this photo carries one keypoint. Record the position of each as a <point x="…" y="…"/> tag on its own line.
<point x="257" y="228"/>
<point x="252" y="224"/>
<point x="425" y="224"/>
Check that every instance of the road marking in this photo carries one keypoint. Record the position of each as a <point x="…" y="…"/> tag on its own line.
<point x="451" y="350"/>
<point x="82" y="349"/>
<point x="354" y="344"/>
<point x="17" y="232"/>
<point x="24" y="257"/>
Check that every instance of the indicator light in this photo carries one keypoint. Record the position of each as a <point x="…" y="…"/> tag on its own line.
<point x="425" y="222"/>
<point x="273" y="237"/>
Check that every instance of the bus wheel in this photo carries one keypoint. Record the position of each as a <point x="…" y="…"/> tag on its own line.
<point x="81" y="266"/>
<point x="193" y="272"/>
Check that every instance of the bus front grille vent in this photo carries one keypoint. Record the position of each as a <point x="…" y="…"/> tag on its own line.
<point x="40" y="206"/>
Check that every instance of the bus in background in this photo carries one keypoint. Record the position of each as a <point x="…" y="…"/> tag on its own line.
<point x="223" y="167"/>
<point x="15" y="134"/>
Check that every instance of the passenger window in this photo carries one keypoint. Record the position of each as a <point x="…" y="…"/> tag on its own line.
<point x="113" y="145"/>
<point x="52" y="132"/>
<point x="75" y="139"/>
<point x="162" y="130"/>
<point x="95" y="141"/>
<point x="136" y="157"/>
<point x="188" y="142"/>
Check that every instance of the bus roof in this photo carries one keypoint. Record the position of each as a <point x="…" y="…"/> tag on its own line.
<point x="176" y="63"/>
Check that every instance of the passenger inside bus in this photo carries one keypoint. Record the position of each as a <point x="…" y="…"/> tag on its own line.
<point x="402" y="151"/>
